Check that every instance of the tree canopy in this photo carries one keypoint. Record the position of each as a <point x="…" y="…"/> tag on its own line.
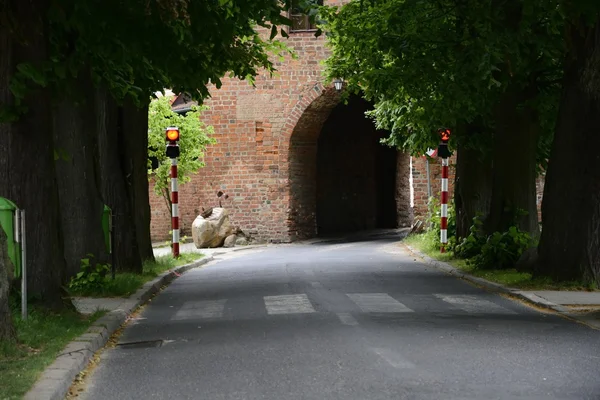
<point x="195" y="137"/>
<point x="442" y="64"/>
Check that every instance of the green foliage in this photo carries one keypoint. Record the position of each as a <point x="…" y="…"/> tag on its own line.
<point x="116" y="42"/>
<point x="40" y="339"/>
<point x="443" y="63"/>
<point x="435" y="217"/>
<point x="194" y="137"/>
<point x="502" y="250"/>
<point x="91" y="277"/>
<point x="471" y="245"/>
<point x="125" y="283"/>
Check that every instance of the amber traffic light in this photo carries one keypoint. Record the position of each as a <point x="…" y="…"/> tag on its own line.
<point x="444" y="135"/>
<point x="172" y="134"/>
<point x="172" y="137"/>
<point x="443" y="150"/>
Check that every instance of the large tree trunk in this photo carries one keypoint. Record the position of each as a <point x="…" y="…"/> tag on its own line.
<point x="7" y="329"/>
<point x="514" y="167"/>
<point x="27" y="171"/>
<point x="570" y="243"/>
<point x="113" y="184"/>
<point x="77" y="174"/>
<point x="472" y="188"/>
<point x="135" y="163"/>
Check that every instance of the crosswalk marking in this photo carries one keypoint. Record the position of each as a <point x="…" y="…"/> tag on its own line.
<point x="288" y="304"/>
<point x="374" y="303"/>
<point x="201" y="309"/>
<point x="347" y="319"/>
<point x="474" y="304"/>
<point x="378" y="303"/>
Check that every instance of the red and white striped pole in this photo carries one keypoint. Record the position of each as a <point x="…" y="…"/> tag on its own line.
<point x="175" y="207"/>
<point x="444" y="206"/>
<point x="444" y="153"/>
<point x="172" y="137"/>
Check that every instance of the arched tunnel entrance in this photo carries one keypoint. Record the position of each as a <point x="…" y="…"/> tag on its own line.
<point x="356" y="174"/>
<point x="341" y="178"/>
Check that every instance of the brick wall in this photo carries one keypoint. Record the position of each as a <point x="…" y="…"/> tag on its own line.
<point x="420" y="186"/>
<point x="266" y="152"/>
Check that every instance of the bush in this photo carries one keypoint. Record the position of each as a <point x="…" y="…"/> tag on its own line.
<point x="502" y="250"/>
<point x="471" y="245"/>
<point x="91" y="277"/>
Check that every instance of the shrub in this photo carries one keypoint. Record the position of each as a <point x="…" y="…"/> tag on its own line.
<point x="471" y="245"/>
<point x="502" y="250"/>
<point x="91" y="277"/>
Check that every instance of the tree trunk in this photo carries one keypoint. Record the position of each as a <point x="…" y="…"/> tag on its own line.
<point x="113" y="182"/>
<point x="77" y="174"/>
<point x="27" y="171"/>
<point x="570" y="243"/>
<point x="514" y="166"/>
<point x="135" y="162"/>
<point x="7" y="328"/>
<point x="472" y="188"/>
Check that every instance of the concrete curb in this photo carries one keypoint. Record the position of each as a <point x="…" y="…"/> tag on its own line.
<point x="55" y="381"/>
<point x="490" y="286"/>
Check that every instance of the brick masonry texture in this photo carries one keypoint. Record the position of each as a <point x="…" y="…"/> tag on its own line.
<point x="266" y="153"/>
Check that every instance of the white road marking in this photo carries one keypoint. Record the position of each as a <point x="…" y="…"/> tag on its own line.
<point x="347" y="319"/>
<point x="201" y="309"/>
<point x="316" y="285"/>
<point x="288" y="304"/>
<point x="378" y="303"/>
<point x="474" y="304"/>
<point x="394" y="359"/>
<point x="336" y="247"/>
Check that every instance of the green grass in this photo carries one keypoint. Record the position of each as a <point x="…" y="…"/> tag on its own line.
<point x="429" y="245"/>
<point x="41" y="338"/>
<point x="125" y="284"/>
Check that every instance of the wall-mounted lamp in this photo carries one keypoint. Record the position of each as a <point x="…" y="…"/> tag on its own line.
<point x="338" y="83"/>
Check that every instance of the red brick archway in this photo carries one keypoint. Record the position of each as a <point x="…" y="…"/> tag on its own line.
<point x="303" y="128"/>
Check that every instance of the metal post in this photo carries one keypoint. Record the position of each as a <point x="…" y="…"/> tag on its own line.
<point x="175" y="207"/>
<point x="23" y="266"/>
<point x="111" y="228"/>
<point x="444" y="206"/>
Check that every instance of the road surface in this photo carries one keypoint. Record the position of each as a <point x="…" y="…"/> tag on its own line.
<point x="355" y="321"/>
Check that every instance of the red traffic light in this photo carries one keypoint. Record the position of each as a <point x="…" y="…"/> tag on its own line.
<point x="444" y="134"/>
<point x="172" y="134"/>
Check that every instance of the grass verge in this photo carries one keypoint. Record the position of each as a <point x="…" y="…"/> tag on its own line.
<point x="41" y="338"/>
<point x="125" y="284"/>
<point x="429" y="245"/>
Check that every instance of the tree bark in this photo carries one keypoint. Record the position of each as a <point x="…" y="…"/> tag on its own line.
<point x="27" y="170"/>
<point x="514" y="166"/>
<point x="113" y="184"/>
<point x="135" y="162"/>
<point x="570" y="243"/>
<point x="7" y="328"/>
<point x="472" y="188"/>
<point x="77" y="174"/>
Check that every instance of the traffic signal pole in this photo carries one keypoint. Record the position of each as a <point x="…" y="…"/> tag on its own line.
<point x="444" y="153"/>
<point x="175" y="207"/>
<point x="172" y="151"/>
<point x="444" y="207"/>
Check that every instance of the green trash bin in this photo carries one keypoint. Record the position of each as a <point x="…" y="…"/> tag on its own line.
<point x="7" y="221"/>
<point x="106" y="227"/>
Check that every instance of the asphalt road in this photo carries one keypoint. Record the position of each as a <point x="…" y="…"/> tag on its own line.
<point x="353" y="321"/>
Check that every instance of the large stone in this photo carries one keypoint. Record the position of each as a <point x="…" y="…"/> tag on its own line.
<point x="241" y="241"/>
<point x="211" y="232"/>
<point x="230" y="241"/>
